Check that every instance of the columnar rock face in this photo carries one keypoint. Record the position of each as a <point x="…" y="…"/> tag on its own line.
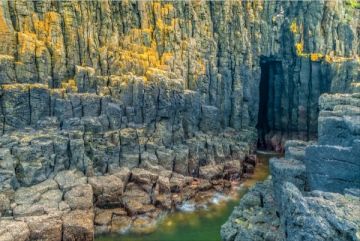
<point x="314" y="191"/>
<point x="128" y="55"/>
<point x="333" y="164"/>
<point x="128" y="83"/>
<point x="99" y="89"/>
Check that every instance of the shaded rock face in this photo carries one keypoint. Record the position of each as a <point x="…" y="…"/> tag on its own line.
<point x="333" y="163"/>
<point x="314" y="191"/>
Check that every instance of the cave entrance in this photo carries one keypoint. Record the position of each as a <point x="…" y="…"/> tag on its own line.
<point x="289" y="101"/>
<point x="269" y="107"/>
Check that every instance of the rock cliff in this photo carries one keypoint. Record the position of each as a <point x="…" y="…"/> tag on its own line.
<point x="154" y="101"/>
<point x="151" y="58"/>
<point x="314" y="191"/>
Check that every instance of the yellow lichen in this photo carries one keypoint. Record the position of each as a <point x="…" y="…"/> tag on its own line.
<point x="315" y="56"/>
<point x="327" y="58"/>
<point x="69" y="85"/>
<point x="293" y="27"/>
<point x="299" y="48"/>
<point x="23" y="87"/>
<point x="166" y="9"/>
<point x="330" y="58"/>
<point x="318" y="56"/>
<point x="355" y="4"/>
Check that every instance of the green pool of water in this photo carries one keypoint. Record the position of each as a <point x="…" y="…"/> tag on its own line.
<point x="200" y="225"/>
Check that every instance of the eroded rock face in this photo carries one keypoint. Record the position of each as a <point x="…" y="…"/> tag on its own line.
<point x="320" y="215"/>
<point x="46" y="227"/>
<point x="138" y="65"/>
<point x="255" y="218"/>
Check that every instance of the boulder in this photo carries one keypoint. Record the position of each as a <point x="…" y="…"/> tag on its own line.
<point x="120" y="224"/>
<point x="135" y="199"/>
<point x="211" y="171"/>
<point x="123" y="174"/>
<point x="69" y="179"/>
<point x="45" y="227"/>
<point x="333" y="168"/>
<point x="29" y="195"/>
<point x="78" y="225"/>
<point x="11" y="230"/>
<point x="142" y="176"/>
<point x="177" y="182"/>
<point x="80" y="197"/>
<point x="319" y="215"/>
<point x="164" y="201"/>
<point x="107" y="190"/>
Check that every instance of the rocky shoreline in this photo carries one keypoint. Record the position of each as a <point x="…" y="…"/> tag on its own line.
<point x="314" y="192"/>
<point x="70" y="205"/>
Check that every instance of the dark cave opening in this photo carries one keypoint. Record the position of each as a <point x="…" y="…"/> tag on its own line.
<point x="262" y="124"/>
<point x="288" y="101"/>
<point x="269" y="107"/>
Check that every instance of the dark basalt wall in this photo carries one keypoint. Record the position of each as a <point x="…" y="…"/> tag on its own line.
<point x="138" y="81"/>
<point x="214" y="48"/>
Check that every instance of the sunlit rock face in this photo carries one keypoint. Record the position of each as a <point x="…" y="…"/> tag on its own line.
<point x="135" y="53"/>
<point x="171" y="87"/>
